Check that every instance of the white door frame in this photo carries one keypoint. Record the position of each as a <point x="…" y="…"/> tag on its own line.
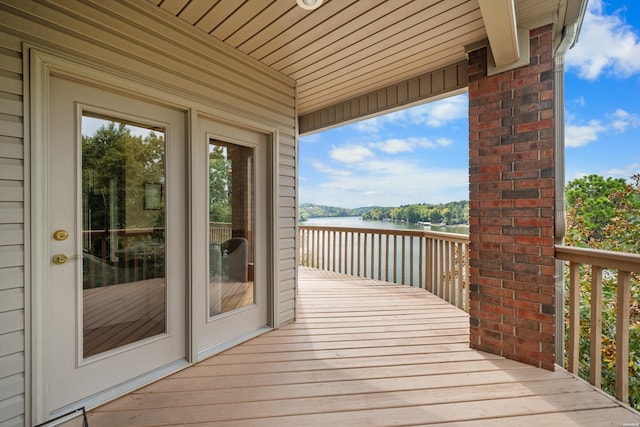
<point x="39" y="63"/>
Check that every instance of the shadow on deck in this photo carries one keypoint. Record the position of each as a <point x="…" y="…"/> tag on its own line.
<point x="364" y="353"/>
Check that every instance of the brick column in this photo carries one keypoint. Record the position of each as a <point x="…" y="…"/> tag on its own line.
<point x="511" y="175"/>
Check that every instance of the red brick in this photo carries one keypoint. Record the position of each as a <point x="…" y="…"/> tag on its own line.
<point x="511" y="175"/>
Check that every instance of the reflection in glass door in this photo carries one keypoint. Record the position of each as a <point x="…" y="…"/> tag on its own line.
<point x="123" y="217"/>
<point x="231" y="227"/>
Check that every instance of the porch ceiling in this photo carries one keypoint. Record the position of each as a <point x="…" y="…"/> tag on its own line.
<point x="348" y="48"/>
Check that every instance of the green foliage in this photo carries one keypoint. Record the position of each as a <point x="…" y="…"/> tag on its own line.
<point x="219" y="185"/>
<point x="591" y="198"/>
<point x="604" y="214"/>
<point x="451" y="213"/>
<point x="310" y="210"/>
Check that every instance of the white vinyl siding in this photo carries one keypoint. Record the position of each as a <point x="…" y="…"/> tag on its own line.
<point x="12" y="284"/>
<point x="138" y="40"/>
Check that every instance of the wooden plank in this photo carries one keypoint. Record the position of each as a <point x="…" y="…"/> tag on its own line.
<point x="295" y="376"/>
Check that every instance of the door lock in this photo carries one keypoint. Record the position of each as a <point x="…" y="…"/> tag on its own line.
<point x="60" y="235"/>
<point x="59" y="259"/>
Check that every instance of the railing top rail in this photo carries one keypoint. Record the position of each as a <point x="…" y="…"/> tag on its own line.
<point x="461" y="238"/>
<point x="601" y="258"/>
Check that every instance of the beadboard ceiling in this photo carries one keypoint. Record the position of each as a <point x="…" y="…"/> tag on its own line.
<point x="346" y="48"/>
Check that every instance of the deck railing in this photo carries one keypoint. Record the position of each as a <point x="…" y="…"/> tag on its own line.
<point x="609" y="263"/>
<point x="114" y="257"/>
<point x="435" y="261"/>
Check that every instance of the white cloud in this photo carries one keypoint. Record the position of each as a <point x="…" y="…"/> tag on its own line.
<point x="390" y="183"/>
<point x="623" y="172"/>
<point x="433" y="114"/>
<point x="311" y="139"/>
<point x="440" y="113"/>
<point x="581" y="135"/>
<point x="606" y="44"/>
<point x="322" y="168"/>
<point x="622" y="120"/>
<point x="369" y="126"/>
<point x="351" y="154"/>
<point x="396" y="145"/>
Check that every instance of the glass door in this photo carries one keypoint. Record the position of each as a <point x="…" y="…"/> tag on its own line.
<point x="230" y="261"/>
<point x="231" y="225"/>
<point x="117" y="221"/>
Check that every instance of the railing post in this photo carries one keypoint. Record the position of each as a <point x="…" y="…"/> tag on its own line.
<point x="622" y="336"/>
<point x="574" y="317"/>
<point x="595" y="370"/>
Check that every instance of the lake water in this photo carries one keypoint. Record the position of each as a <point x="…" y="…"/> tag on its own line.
<point x="371" y="249"/>
<point x="357" y="222"/>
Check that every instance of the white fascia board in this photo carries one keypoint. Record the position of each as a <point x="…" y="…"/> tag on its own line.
<point x="502" y="30"/>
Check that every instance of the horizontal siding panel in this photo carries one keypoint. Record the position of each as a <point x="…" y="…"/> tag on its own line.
<point x="11" y="234"/>
<point x="11" y="277"/>
<point x="11" y="299"/>
<point x="10" y="42"/>
<point x="287" y="232"/>
<point x="289" y="264"/>
<point x="10" y="61"/>
<point x="11" y="148"/>
<point x="11" y="365"/>
<point x="11" y="83"/>
<point x="11" y="411"/>
<point x="11" y="191"/>
<point x="174" y="73"/>
<point x="286" y="212"/>
<point x="11" y="386"/>
<point x="10" y="104"/>
<point x="287" y="160"/>
<point x="288" y="253"/>
<point x="287" y="171"/>
<point x="11" y="256"/>
<point x="287" y="181"/>
<point x="11" y="213"/>
<point x="11" y="321"/>
<point x="286" y="202"/>
<point x="11" y="343"/>
<point x="286" y="276"/>
<point x="11" y="169"/>
<point x="287" y="192"/>
<point x="10" y="125"/>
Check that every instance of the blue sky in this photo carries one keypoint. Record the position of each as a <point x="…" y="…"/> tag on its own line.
<point x="420" y="155"/>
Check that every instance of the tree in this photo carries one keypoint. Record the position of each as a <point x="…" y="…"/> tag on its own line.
<point x="219" y="185"/>
<point x="590" y="197"/>
<point x="605" y="214"/>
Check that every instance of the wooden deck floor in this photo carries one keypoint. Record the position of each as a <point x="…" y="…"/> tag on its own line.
<point x="364" y="353"/>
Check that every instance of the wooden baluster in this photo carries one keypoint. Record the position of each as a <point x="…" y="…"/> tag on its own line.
<point x="452" y="273"/>
<point x="395" y="259"/>
<point x="411" y="282"/>
<point x="333" y="245"/>
<point x="429" y="259"/>
<point x="622" y="336"/>
<point x="364" y="254"/>
<point x="595" y="373"/>
<point x="373" y="274"/>
<point x="352" y="248"/>
<point x="386" y="270"/>
<point x="460" y="279"/>
<point x="574" y="317"/>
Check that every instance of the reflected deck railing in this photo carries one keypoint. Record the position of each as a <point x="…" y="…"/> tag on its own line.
<point x="602" y="263"/>
<point x="435" y="261"/>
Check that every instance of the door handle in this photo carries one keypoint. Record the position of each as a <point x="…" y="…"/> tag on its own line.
<point x="59" y="259"/>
